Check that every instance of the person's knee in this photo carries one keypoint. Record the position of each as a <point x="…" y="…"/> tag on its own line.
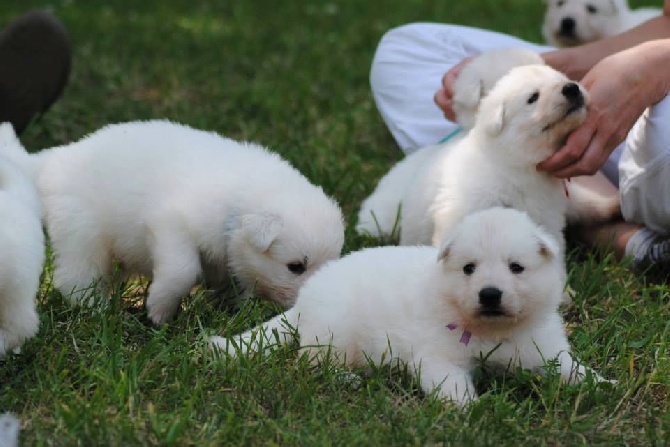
<point x="403" y="47"/>
<point x="403" y="32"/>
<point x="392" y="44"/>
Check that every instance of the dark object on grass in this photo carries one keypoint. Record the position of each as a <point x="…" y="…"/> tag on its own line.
<point x="35" y="59"/>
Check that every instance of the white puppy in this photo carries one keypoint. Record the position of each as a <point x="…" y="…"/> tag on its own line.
<point x="179" y="204"/>
<point x="493" y="293"/>
<point x="22" y="253"/>
<point x="575" y="22"/>
<point x="479" y="76"/>
<point x="523" y="120"/>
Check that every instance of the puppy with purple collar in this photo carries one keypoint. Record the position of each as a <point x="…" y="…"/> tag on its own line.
<point x="492" y="291"/>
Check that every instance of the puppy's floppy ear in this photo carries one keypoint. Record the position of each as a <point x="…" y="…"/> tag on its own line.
<point x="445" y="249"/>
<point x="261" y="229"/>
<point x="615" y="7"/>
<point x="547" y="245"/>
<point x="7" y="133"/>
<point x="494" y="120"/>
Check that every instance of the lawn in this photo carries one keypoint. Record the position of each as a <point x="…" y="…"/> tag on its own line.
<point x="293" y="75"/>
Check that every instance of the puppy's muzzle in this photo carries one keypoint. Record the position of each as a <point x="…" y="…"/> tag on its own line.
<point x="567" y="27"/>
<point x="573" y="94"/>
<point x="575" y="101"/>
<point x="490" y="301"/>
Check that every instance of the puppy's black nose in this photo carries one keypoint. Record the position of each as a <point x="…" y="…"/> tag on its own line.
<point x="490" y="298"/>
<point x="567" y="27"/>
<point x="572" y="93"/>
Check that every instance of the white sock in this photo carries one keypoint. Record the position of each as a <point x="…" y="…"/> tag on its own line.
<point x="645" y="246"/>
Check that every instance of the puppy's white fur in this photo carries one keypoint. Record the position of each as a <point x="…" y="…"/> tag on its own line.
<point x="429" y="308"/>
<point x="479" y="76"/>
<point x="22" y="254"/>
<point x="177" y="204"/>
<point x="494" y="164"/>
<point x="575" y="22"/>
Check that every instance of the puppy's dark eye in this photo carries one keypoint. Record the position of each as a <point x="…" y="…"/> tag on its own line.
<point x="297" y="268"/>
<point x="516" y="268"/>
<point x="534" y="97"/>
<point x="591" y="9"/>
<point x="469" y="268"/>
<point x="560" y="3"/>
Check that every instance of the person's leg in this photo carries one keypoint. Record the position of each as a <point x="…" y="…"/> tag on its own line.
<point x="643" y="176"/>
<point x="407" y="70"/>
<point x="609" y="236"/>
<point x="644" y="170"/>
<point x="35" y="60"/>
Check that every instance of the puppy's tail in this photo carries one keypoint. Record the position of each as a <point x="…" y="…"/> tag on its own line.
<point x="278" y="331"/>
<point x="11" y="147"/>
<point x="589" y="207"/>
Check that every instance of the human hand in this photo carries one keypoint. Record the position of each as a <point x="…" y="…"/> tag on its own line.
<point x="620" y="88"/>
<point x="443" y="97"/>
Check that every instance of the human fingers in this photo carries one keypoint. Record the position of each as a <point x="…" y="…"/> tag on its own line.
<point x="444" y="103"/>
<point x="593" y="158"/>
<point x="573" y="150"/>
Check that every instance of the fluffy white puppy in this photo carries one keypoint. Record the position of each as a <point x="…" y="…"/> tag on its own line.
<point x="479" y="76"/>
<point x="523" y="120"/>
<point x="491" y="291"/>
<point x="179" y="204"/>
<point x="575" y="22"/>
<point x="22" y="254"/>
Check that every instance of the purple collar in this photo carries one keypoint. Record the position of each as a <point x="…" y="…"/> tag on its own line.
<point x="465" y="337"/>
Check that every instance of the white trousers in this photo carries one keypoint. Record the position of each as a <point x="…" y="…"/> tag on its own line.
<point x="407" y="70"/>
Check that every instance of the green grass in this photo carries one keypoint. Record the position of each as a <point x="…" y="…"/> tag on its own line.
<point x="293" y="75"/>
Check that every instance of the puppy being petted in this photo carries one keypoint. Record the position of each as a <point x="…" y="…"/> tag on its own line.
<point x="180" y="205"/>
<point x="22" y="249"/>
<point x="524" y="119"/>
<point x="491" y="291"/>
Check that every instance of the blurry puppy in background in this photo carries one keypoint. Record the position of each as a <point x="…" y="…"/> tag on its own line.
<point x="574" y="22"/>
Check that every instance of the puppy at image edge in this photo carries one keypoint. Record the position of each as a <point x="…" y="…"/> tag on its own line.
<point x="21" y="250"/>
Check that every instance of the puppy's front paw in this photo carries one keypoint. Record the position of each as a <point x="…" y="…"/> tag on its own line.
<point x="160" y="314"/>
<point x="579" y="373"/>
<point x="459" y="399"/>
<point x="222" y="346"/>
<point x="600" y="379"/>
